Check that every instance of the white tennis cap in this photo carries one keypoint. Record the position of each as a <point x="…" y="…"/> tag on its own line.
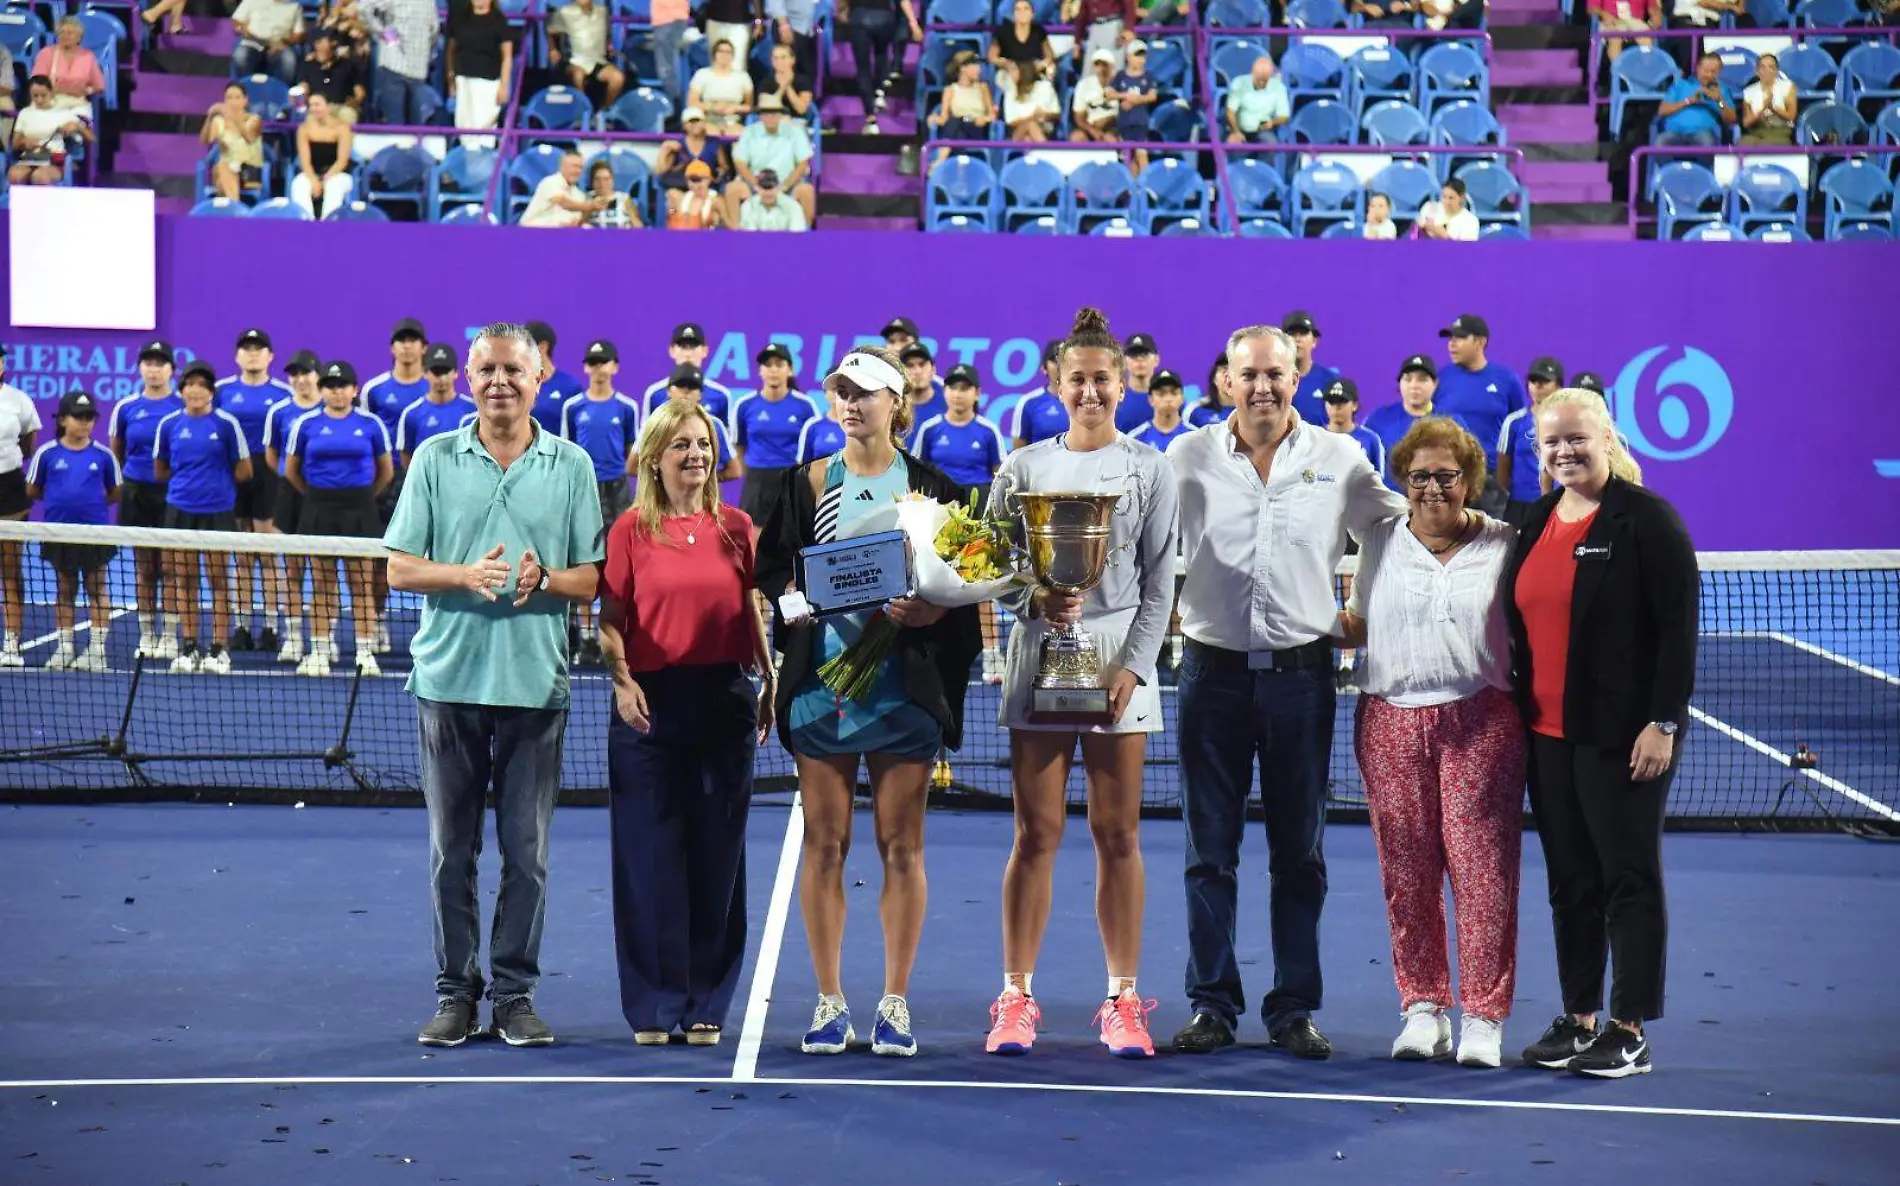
<point x="868" y="372"/>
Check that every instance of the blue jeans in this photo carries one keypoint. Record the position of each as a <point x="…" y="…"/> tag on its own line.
<point x="466" y="748"/>
<point x="1702" y="139"/>
<point x="666" y="59"/>
<point x="1231" y="717"/>
<point x="397" y="98"/>
<point x="249" y="58"/>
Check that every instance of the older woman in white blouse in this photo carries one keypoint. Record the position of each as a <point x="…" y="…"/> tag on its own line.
<point x="1440" y="741"/>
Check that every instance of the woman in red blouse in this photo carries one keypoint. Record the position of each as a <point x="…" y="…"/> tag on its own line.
<point x="1603" y="621"/>
<point x="683" y="638"/>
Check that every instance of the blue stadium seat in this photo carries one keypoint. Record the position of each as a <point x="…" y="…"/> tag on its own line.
<point x="355" y="212"/>
<point x="1780" y="232"/>
<point x="1829" y="14"/>
<point x="468" y="215"/>
<point x="202" y="186"/>
<point x="1257" y="188"/>
<point x="1830" y="123"/>
<point x="1686" y="194"/>
<point x="1170" y="190"/>
<point x="1233" y="59"/>
<point x="1762" y="194"/>
<point x="1887" y="131"/>
<point x="1768" y="14"/>
<point x="1237" y="14"/>
<point x="1322" y="122"/>
<point x="1312" y="72"/>
<point x="1848" y="232"/>
<point x="1504" y="230"/>
<point x="525" y="172"/>
<point x="1323" y="194"/>
<point x="1495" y="194"/>
<point x="1032" y="190"/>
<point x="1187" y="228"/>
<point x="1452" y="72"/>
<point x="1264" y="228"/>
<point x="1316" y="14"/>
<point x="1462" y="123"/>
<point x="1117" y="228"/>
<point x="1378" y="72"/>
<point x="1639" y="75"/>
<point x="281" y="208"/>
<point x="959" y="12"/>
<point x="270" y="98"/>
<point x="1047" y="11"/>
<point x="1177" y="122"/>
<point x="1856" y="191"/>
<point x="1714" y="232"/>
<point x="1409" y="184"/>
<point x="399" y="174"/>
<point x="1870" y="74"/>
<point x="1813" y="70"/>
<point x="1101" y="190"/>
<point x="632" y="176"/>
<point x="103" y="34"/>
<point x="220" y="208"/>
<point x="965" y="186"/>
<point x="1171" y="63"/>
<point x="24" y="35"/>
<point x="643" y="109"/>
<point x="558" y="109"/>
<point x="633" y="10"/>
<point x="462" y="177"/>
<point x="1393" y="122"/>
<point x="1042" y="224"/>
<point x="954" y="223"/>
<point x="1342" y="230"/>
<point x="1738" y="66"/>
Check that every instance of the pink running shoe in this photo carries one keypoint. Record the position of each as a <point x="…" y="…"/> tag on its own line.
<point x="1124" y="1023"/>
<point x="1013" y="1020"/>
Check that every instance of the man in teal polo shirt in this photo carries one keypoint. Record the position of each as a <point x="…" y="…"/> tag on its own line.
<point x="499" y="529"/>
<point x="1696" y="111"/>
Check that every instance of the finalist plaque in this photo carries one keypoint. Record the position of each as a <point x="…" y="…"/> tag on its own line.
<point x="862" y="572"/>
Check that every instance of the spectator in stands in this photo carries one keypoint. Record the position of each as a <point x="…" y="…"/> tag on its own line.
<point x="268" y="32"/>
<point x="479" y="61"/>
<point x="72" y="69"/>
<point x="345" y="19"/>
<point x="1341" y="399"/>
<point x="1386" y="13"/>
<point x="766" y="426"/>
<point x="41" y="137"/>
<point x="406" y="31"/>
<point x="1315" y="376"/>
<point x="481" y="599"/>
<point x="1702" y="14"/>
<point x="1257" y="105"/>
<point x="922" y="389"/>
<point x="688" y="347"/>
<point x="1165" y="402"/>
<point x="1603" y="596"/>
<point x="795" y="23"/>
<point x="558" y="199"/>
<point x="1450" y="217"/>
<point x="782" y="80"/>
<point x="770" y="210"/>
<point x="323" y="179"/>
<point x="619" y="213"/>
<point x="1020" y="50"/>
<point x="1520" y="469"/>
<point x="969" y="449"/>
<point x="580" y="49"/>
<point x="1135" y="91"/>
<point x="1696" y="111"/>
<point x="1442" y="743"/>
<point x="1769" y="105"/>
<point x="697" y="207"/>
<point x="239" y="135"/>
<point x="671" y="19"/>
<point x="199" y="452"/>
<point x="871" y="27"/>
<point x="1141" y="359"/>
<point x="1215" y="404"/>
<point x="966" y="108"/>
<point x="75" y="480"/>
<point x="7" y="105"/>
<point x="1093" y="105"/>
<point x="20" y="426"/>
<point x="287" y="510"/>
<point x="1030" y="106"/>
<point x="693" y="144"/>
<point x="157" y="10"/>
<point x="1626" y="16"/>
<point x="722" y="91"/>
<point x="337" y="78"/>
<point x="733" y="21"/>
<point x="1104" y="25"/>
<point x="779" y="146"/>
<point x="1379" y="224"/>
<point x="1478" y="392"/>
<point x="1453" y="14"/>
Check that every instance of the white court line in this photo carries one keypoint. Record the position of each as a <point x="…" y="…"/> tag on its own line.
<point x="1763" y="748"/>
<point x="745" y="1066"/>
<point x="43" y="639"/>
<point x="1327" y="1097"/>
<point x="1843" y="660"/>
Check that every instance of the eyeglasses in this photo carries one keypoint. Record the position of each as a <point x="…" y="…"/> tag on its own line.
<point x="1444" y="479"/>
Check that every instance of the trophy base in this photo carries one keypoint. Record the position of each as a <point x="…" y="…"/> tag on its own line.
<point x="1070" y="706"/>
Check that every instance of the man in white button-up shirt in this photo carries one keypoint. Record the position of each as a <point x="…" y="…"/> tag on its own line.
<point x="1266" y="502"/>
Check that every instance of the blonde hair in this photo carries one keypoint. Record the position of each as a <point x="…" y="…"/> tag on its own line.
<point x="901" y="411"/>
<point x="1442" y="432"/>
<point x="1597" y="412"/>
<point x="649" y="501"/>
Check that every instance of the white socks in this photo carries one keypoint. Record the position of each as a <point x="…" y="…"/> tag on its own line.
<point x="1019" y="982"/>
<point x="1117" y="985"/>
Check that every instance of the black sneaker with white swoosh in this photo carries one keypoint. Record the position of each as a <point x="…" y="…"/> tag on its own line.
<point x="1616" y="1053"/>
<point x="1563" y="1041"/>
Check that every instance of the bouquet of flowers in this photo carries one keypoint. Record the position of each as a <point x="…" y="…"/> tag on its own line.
<point x="960" y="557"/>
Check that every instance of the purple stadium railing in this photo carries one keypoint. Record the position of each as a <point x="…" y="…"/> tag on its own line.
<point x="1695" y="38"/>
<point x="1645" y="152"/>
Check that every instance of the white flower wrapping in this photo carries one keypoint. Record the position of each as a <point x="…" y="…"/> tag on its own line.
<point x="938" y="581"/>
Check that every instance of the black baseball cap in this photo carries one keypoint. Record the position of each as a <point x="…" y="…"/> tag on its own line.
<point x="159" y="350"/>
<point x="336" y="374"/>
<point x="685" y="376"/>
<point x="78" y="403"/>
<point x="963" y="374"/>
<point x="1467" y="325"/>
<point x="1166" y="378"/>
<point x="1589" y="381"/>
<point x="439" y="358"/>
<point x="1419" y="362"/>
<point x="686" y="333"/>
<point x="767" y="178"/>
<point x="1139" y="344"/>
<point x="301" y="362"/>
<point x="774" y="350"/>
<point x="408" y="327"/>
<point x="898" y="325"/>
<point x="1299" y="322"/>
<point x="916" y="350"/>
<point x="1052" y="351"/>
<point x="198" y="370"/>
<point x="253" y="337"/>
<point x="541" y="332"/>
<point x="1548" y="369"/>
<point x="1341" y="391"/>
<point x="601" y="350"/>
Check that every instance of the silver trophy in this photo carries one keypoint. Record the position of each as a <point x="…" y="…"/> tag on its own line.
<point x="1066" y="534"/>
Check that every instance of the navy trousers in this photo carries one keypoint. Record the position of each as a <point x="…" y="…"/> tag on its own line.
<point x="680" y="795"/>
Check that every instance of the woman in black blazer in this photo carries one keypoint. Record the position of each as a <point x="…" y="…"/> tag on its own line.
<point x="1603" y="626"/>
<point x="913" y="710"/>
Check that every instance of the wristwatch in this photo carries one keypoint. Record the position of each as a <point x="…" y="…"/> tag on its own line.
<point x="542" y="587"/>
<point x="1666" y="728"/>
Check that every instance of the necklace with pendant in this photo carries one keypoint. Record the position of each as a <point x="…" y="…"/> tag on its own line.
<point x="1456" y="538"/>
<point x="692" y="536"/>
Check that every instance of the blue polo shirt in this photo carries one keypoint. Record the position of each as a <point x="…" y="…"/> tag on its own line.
<point x="1155" y="438"/>
<point x="201" y="451"/>
<point x="73" y="483"/>
<point x="1133" y="412"/>
<point x="385" y="397"/>
<point x="768" y="429"/>
<point x="425" y="418"/>
<point x="1039" y="417"/>
<point x="1306" y="397"/>
<point x="134" y="427"/>
<point x="716" y="397"/>
<point x="1697" y="117"/>
<point x="1517" y="439"/>
<point x="280" y="421"/>
<point x="968" y="454"/>
<point x="458" y="503"/>
<point x="339" y="452"/>
<point x="251" y="403"/>
<point x="1001" y="410"/>
<point x="605" y="428"/>
<point x="559" y="388"/>
<point x="1480" y="400"/>
<point x="1202" y="415"/>
<point x="819" y="438"/>
<point x="1390" y="424"/>
<point x="1370" y="444"/>
<point x="930" y="409"/>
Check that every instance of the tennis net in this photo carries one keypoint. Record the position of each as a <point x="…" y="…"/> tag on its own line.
<point x="1796" y="710"/>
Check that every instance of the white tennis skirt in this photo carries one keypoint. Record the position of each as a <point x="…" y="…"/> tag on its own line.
<point x="1024" y="655"/>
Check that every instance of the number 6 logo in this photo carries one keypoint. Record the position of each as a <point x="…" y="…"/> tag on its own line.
<point x="1663" y="403"/>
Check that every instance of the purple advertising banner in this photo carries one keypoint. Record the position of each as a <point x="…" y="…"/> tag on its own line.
<point x="1750" y="379"/>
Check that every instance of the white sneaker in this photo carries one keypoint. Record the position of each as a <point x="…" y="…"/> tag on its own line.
<point x="366" y="664"/>
<point x="187" y="662"/>
<point x="870" y="127"/>
<point x="992" y="666"/>
<point x="60" y="660"/>
<point x="1480" y="1041"/>
<point x="218" y="662"/>
<point x="382" y="638"/>
<point x="317" y="662"/>
<point x="10" y="656"/>
<point x="166" y="647"/>
<point x="291" y="651"/>
<point x="1427" y="1034"/>
<point x="93" y="660"/>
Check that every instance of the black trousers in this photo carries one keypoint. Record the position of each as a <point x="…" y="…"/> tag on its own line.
<point x="679" y="797"/>
<point x="1602" y="838"/>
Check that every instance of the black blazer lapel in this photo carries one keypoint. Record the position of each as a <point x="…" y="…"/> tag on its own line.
<point x="1605" y="532"/>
